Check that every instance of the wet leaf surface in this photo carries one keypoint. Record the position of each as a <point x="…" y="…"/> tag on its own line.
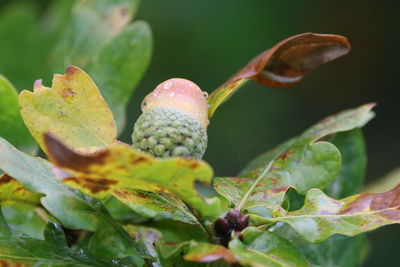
<point x="73" y="109"/>
<point x="53" y="251"/>
<point x="283" y="65"/>
<point x="25" y="218"/>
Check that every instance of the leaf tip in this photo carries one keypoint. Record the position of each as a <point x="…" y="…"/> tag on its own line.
<point x="71" y="70"/>
<point x="37" y="85"/>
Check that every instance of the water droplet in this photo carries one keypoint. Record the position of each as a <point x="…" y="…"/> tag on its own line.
<point x="205" y="94"/>
<point x="168" y="84"/>
<point x="172" y="94"/>
<point x="190" y="84"/>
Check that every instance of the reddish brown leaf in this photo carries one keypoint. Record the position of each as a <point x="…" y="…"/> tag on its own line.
<point x="285" y="64"/>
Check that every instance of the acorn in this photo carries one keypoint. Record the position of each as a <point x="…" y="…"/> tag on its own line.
<point x="174" y="121"/>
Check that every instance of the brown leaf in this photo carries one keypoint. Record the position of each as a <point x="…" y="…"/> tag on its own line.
<point x="285" y="64"/>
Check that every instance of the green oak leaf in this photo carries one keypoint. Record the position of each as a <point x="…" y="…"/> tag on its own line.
<point x="120" y="65"/>
<point x="350" y="179"/>
<point x="52" y="251"/>
<point x="283" y="65"/>
<point x="322" y="216"/>
<point x="339" y="250"/>
<point x="93" y="24"/>
<point x="121" y="166"/>
<point x="25" y="218"/>
<point x="302" y="167"/>
<point x="341" y="122"/>
<point x="115" y="52"/>
<point x="336" y="251"/>
<point x="260" y="249"/>
<point x="303" y="163"/>
<point x="71" y="207"/>
<point x="12" y="126"/>
<point x="73" y="109"/>
<point x="149" y="238"/>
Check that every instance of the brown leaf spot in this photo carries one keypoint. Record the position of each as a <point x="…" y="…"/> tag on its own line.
<point x="278" y="190"/>
<point x="93" y="185"/>
<point x="65" y="157"/>
<point x="5" y="179"/>
<point x="71" y="70"/>
<point x="67" y="92"/>
<point x="97" y="185"/>
<point x="120" y="194"/>
<point x="275" y="181"/>
<point x="286" y="155"/>
<point x="194" y="165"/>
<point x="137" y="160"/>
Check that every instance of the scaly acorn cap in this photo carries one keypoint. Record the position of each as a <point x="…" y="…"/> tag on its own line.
<point x="174" y="120"/>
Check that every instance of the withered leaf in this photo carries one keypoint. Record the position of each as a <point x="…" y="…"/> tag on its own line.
<point x="283" y="65"/>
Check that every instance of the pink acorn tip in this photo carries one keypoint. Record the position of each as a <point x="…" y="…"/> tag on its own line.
<point x="179" y="94"/>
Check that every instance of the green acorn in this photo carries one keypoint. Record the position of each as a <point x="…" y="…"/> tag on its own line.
<point x="174" y="121"/>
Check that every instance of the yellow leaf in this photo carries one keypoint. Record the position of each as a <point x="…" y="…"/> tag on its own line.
<point x="73" y="109"/>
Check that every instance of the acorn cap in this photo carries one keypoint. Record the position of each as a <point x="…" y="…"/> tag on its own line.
<point x="179" y="94"/>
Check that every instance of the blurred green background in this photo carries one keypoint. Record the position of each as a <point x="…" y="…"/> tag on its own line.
<point x="207" y="41"/>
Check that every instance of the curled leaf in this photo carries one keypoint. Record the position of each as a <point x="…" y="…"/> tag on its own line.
<point x="285" y="64"/>
<point x="73" y="109"/>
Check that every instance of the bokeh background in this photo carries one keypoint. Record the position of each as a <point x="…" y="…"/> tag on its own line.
<point x="207" y="41"/>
